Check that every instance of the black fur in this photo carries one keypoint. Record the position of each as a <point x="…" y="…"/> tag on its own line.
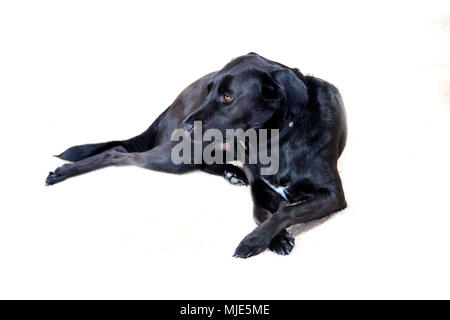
<point x="265" y="94"/>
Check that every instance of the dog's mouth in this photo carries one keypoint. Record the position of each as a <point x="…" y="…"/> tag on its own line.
<point x="224" y="146"/>
<point x="228" y="147"/>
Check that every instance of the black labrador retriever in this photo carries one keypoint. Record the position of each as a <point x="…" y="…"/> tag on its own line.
<point x="250" y="92"/>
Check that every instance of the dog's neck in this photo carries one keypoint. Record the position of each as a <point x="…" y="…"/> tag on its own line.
<point x="282" y="120"/>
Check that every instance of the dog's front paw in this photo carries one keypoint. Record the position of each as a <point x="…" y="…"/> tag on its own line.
<point x="252" y="245"/>
<point x="56" y="176"/>
<point x="235" y="179"/>
<point x="283" y="243"/>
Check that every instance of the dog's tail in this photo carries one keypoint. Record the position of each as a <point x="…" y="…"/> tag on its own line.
<point x="83" y="151"/>
<point x="143" y="142"/>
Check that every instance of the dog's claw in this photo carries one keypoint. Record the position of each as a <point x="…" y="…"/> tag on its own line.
<point x="251" y="245"/>
<point x="49" y="179"/>
<point x="283" y="243"/>
<point x="234" y="179"/>
<point x="55" y="177"/>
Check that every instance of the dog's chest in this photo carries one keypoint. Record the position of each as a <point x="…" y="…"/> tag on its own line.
<point x="281" y="190"/>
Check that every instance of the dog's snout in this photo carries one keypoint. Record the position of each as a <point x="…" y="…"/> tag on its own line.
<point x="188" y="127"/>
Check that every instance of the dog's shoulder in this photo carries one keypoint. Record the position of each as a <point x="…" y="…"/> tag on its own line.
<point x="325" y="101"/>
<point x="322" y="119"/>
<point x="323" y="91"/>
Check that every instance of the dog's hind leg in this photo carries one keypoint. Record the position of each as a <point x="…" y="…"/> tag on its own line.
<point x="232" y="174"/>
<point x="158" y="158"/>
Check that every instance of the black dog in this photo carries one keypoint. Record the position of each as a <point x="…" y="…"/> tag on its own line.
<point x="250" y="92"/>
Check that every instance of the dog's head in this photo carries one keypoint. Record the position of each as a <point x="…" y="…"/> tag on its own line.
<point x="248" y="93"/>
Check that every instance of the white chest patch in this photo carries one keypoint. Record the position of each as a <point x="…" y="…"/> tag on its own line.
<point x="280" y="190"/>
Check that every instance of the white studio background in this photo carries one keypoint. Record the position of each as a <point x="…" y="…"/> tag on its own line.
<point x="74" y="72"/>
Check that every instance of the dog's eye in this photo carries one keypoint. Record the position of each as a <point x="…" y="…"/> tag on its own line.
<point x="227" y="96"/>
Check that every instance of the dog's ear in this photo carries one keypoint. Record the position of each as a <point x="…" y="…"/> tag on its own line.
<point x="271" y="91"/>
<point x="293" y="90"/>
<point x="284" y="94"/>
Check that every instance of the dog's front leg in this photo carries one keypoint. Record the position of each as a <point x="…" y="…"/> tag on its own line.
<point x="318" y="206"/>
<point x="283" y="242"/>
<point x="265" y="203"/>
<point x="158" y="158"/>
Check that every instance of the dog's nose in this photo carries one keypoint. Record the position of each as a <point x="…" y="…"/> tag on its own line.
<point x="188" y="127"/>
